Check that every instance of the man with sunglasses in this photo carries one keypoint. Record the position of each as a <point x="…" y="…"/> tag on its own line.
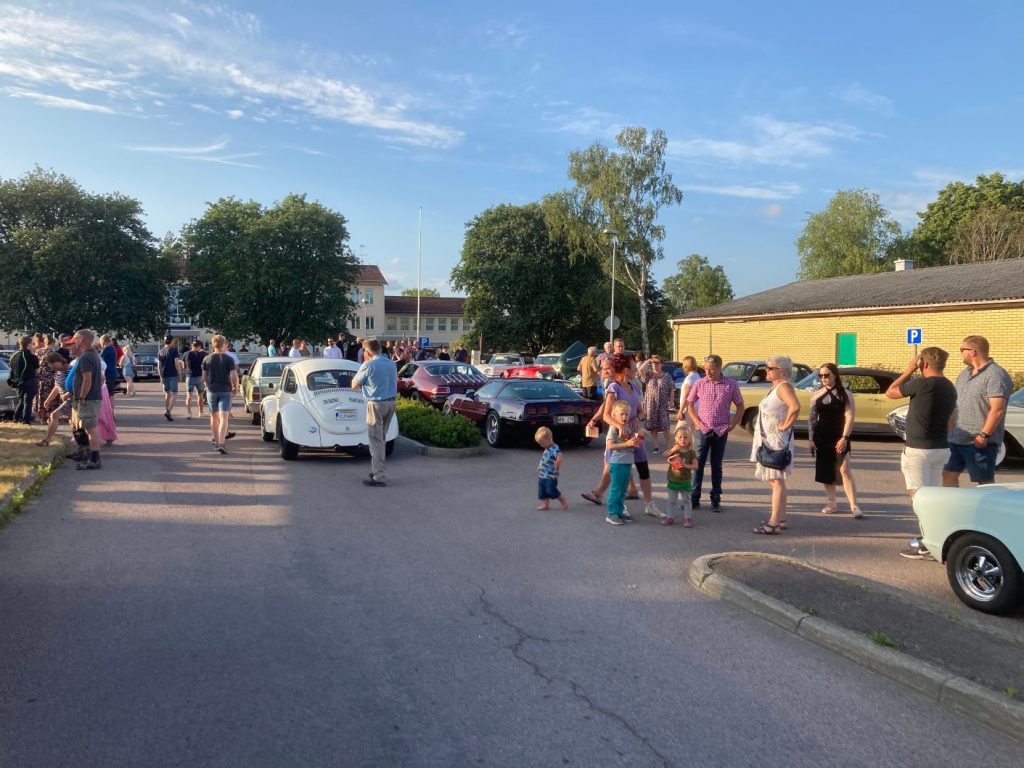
<point x="712" y="424"/>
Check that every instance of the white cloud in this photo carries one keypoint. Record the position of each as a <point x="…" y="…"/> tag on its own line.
<point x="207" y="153"/>
<point x="204" y="108"/>
<point x="770" y="142"/>
<point x="861" y="96"/>
<point x="772" y="211"/>
<point x="235" y="114"/>
<point x="220" y="53"/>
<point x="585" y="121"/>
<point x="57" y="102"/>
<point x="780" y="191"/>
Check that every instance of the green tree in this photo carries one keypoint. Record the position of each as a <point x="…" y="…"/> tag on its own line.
<point x="521" y="288"/>
<point x="71" y="259"/>
<point x="852" y="236"/>
<point x="623" y="191"/>
<point x="269" y="273"/>
<point x="990" y="234"/>
<point x="697" y="284"/>
<point x="432" y="292"/>
<point x="950" y="213"/>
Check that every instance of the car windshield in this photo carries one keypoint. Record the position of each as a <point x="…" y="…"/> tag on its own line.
<point x="1017" y="398"/>
<point x="503" y="360"/>
<point x="271" y="370"/>
<point x="547" y="359"/>
<point x="539" y="390"/>
<point x="450" y="370"/>
<point x="738" y="371"/>
<point x="330" y="379"/>
<point x="4" y="366"/>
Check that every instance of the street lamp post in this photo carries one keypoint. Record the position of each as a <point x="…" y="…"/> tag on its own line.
<point x="614" y="235"/>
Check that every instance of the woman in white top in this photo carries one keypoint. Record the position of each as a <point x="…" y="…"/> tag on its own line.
<point x="776" y="415"/>
<point x="692" y="377"/>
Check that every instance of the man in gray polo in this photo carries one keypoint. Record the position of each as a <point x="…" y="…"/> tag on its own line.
<point x="982" y="390"/>
<point x="87" y="394"/>
<point x="378" y="378"/>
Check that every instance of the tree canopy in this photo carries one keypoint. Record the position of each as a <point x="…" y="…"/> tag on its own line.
<point x="269" y="273"/>
<point x="71" y="259"/>
<point x="520" y="285"/>
<point x="949" y="216"/>
<point x="432" y="292"/>
<point x="696" y="285"/>
<point x="852" y="236"/>
<point x="624" y="191"/>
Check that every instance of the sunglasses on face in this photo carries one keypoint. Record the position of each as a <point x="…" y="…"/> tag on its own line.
<point x="771" y="368"/>
<point x="825" y="375"/>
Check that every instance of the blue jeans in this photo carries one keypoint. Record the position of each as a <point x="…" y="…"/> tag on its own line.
<point x="26" y="395"/>
<point x="617" y="491"/>
<point x="547" y="488"/>
<point x="713" y="443"/>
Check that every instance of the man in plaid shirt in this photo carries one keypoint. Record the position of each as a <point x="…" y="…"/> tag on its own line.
<point x="709" y="404"/>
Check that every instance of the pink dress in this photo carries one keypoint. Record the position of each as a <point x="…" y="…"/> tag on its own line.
<point x="108" y="430"/>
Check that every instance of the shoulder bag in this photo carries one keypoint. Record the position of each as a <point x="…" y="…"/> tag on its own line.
<point x="772" y="458"/>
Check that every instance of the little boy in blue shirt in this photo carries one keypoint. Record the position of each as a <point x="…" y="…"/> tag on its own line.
<point x="547" y="470"/>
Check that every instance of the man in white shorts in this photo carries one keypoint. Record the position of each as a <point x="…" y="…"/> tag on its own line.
<point x="929" y="421"/>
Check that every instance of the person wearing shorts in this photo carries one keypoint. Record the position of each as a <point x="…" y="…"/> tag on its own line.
<point x="220" y="377"/>
<point x="170" y="366"/>
<point x="86" y="388"/>
<point x="194" y="378"/>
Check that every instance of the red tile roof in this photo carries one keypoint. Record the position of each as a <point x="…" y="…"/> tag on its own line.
<point x="370" y="274"/>
<point x="429" y="305"/>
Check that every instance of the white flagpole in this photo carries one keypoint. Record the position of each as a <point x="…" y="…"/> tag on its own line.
<point x="419" y="267"/>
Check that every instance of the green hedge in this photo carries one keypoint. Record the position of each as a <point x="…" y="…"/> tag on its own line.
<point x="426" y="424"/>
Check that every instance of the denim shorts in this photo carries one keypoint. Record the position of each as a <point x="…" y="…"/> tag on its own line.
<point x="547" y="488"/>
<point x="980" y="463"/>
<point x="194" y="384"/>
<point x="219" y="401"/>
<point x="170" y="384"/>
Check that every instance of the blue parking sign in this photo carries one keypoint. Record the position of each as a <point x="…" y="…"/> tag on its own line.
<point x="423" y="341"/>
<point x="914" y="336"/>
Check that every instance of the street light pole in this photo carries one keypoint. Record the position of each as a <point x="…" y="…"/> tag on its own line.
<point x="614" y="235"/>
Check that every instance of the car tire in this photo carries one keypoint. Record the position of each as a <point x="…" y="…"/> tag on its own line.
<point x="289" y="450"/>
<point x="417" y="397"/>
<point x="983" y="573"/>
<point x="256" y="418"/>
<point x="749" y="419"/>
<point x="493" y="430"/>
<point x="389" y="447"/>
<point x="268" y="437"/>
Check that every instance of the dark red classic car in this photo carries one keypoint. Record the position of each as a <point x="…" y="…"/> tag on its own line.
<point x="433" y="381"/>
<point x="534" y="371"/>
<point x="506" y="408"/>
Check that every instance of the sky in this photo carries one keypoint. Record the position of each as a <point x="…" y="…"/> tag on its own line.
<point x="381" y="110"/>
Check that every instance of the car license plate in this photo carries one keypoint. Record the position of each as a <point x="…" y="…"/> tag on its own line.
<point x="344" y="415"/>
<point x="565" y="419"/>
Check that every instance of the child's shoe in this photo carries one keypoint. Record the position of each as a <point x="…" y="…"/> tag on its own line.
<point x="667" y="520"/>
<point x="652" y="510"/>
<point x="687" y="522"/>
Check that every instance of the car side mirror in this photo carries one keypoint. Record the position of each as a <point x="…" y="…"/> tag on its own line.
<point x="471" y="393"/>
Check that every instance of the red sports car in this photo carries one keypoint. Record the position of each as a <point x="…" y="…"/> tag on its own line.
<point x="530" y="372"/>
<point x="508" y="407"/>
<point x="433" y="381"/>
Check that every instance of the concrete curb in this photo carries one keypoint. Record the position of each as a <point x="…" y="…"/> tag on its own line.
<point x="434" y="452"/>
<point x="964" y="696"/>
<point x="58" y="449"/>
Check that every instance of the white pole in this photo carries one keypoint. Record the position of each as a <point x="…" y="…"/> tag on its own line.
<point x="611" y="320"/>
<point x="419" y="267"/>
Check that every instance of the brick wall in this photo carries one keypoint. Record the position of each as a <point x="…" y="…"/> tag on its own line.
<point x="881" y="338"/>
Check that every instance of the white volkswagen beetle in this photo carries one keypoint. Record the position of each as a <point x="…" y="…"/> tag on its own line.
<point x="315" y="408"/>
<point x="979" y="534"/>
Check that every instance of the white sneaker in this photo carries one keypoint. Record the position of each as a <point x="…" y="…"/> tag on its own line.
<point x="652" y="510"/>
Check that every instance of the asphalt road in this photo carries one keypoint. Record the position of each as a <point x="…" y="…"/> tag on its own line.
<point x="184" y="608"/>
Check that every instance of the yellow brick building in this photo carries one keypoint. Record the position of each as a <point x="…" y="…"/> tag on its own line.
<point x="864" y="319"/>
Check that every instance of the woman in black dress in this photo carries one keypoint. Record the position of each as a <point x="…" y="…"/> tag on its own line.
<point x="828" y="431"/>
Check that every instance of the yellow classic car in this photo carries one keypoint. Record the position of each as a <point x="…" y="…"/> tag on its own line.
<point x="868" y="386"/>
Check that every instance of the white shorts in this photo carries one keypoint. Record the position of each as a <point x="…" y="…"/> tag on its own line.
<point x="922" y="467"/>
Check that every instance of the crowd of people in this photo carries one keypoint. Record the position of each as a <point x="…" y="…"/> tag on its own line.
<point x="952" y="428"/>
<point x="401" y="352"/>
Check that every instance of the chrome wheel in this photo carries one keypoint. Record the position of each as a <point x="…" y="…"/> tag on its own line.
<point x="979" y="573"/>
<point x="983" y="573"/>
<point x="493" y="429"/>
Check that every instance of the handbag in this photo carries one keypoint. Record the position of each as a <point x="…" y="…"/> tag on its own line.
<point x="772" y="458"/>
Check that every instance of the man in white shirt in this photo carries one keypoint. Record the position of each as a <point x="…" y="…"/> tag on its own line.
<point x="331" y="351"/>
<point x="296" y="350"/>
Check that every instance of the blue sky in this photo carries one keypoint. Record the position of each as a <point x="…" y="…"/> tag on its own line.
<point x="377" y="109"/>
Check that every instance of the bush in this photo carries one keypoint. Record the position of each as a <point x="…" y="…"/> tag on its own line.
<point x="422" y="422"/>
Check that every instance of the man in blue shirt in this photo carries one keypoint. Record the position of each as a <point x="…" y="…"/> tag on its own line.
<point x="378" y="378"/>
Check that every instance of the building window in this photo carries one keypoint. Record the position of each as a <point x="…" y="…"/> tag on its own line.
<point x="846" y="349"/>
<point x="391" y="323"/>
<point x="369" y="323"/>
<point x="428" y="323"/>
<point x="454" y="324"/>
<point x="354" y="323"/>
<point x="368" y="294"/>
<point x="441" y="325"/>
<point x="353" y="295"/>
<point x="404" y="323"/>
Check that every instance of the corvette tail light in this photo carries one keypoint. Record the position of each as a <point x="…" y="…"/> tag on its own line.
<point x="542" y="409"/>
<point x="531" y="410"/>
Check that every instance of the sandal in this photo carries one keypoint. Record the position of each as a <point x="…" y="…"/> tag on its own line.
<point x="767" y="530"/>
<point x="783" y="525"/>
<point x="829" y="509"/>
<point x="43" y="443"/>
<point x="591" y="496"/>
<point x="857" y="514"/>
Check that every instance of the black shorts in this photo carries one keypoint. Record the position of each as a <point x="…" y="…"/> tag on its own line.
<point x="643" y="470"/>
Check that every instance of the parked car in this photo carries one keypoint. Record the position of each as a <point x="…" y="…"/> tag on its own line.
<point x="755" y="372"/>
<point x="315" y="408"/>
<point x="547" y="358"/>
<point x="508" y="408"/>
<point x="8" y="394"/>
<point x="146" y="366"/>
<point x="533" y="371"/>
<point x="245" y="361"/>
<point x="979" y="534"/>
<point x="499" y="361"/>
<point x="261" y="380"/>
<point x="1013" y="442"/>
<point x="867" y="385"/>
<point x="433" y="381"/>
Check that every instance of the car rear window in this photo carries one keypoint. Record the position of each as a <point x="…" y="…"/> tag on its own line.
<point x="449" y="370"/>
<point x="272" y="370"/>
<point x="331" y="379"/>
<point x="738" y="371"/>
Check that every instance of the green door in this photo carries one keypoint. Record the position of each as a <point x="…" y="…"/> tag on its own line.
<point x="846" y="349"/>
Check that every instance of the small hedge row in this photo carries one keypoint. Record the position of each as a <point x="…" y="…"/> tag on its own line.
<point x="426" y="424"/>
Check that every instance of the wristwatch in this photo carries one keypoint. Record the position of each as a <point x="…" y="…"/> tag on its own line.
<point x="984" y="435"/>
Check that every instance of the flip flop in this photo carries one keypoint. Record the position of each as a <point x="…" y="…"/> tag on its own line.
<point x="829" y="509"/>
<point x="592" y="497"/>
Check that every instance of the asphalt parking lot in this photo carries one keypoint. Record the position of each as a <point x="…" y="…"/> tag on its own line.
<point x="184" y="608"/>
